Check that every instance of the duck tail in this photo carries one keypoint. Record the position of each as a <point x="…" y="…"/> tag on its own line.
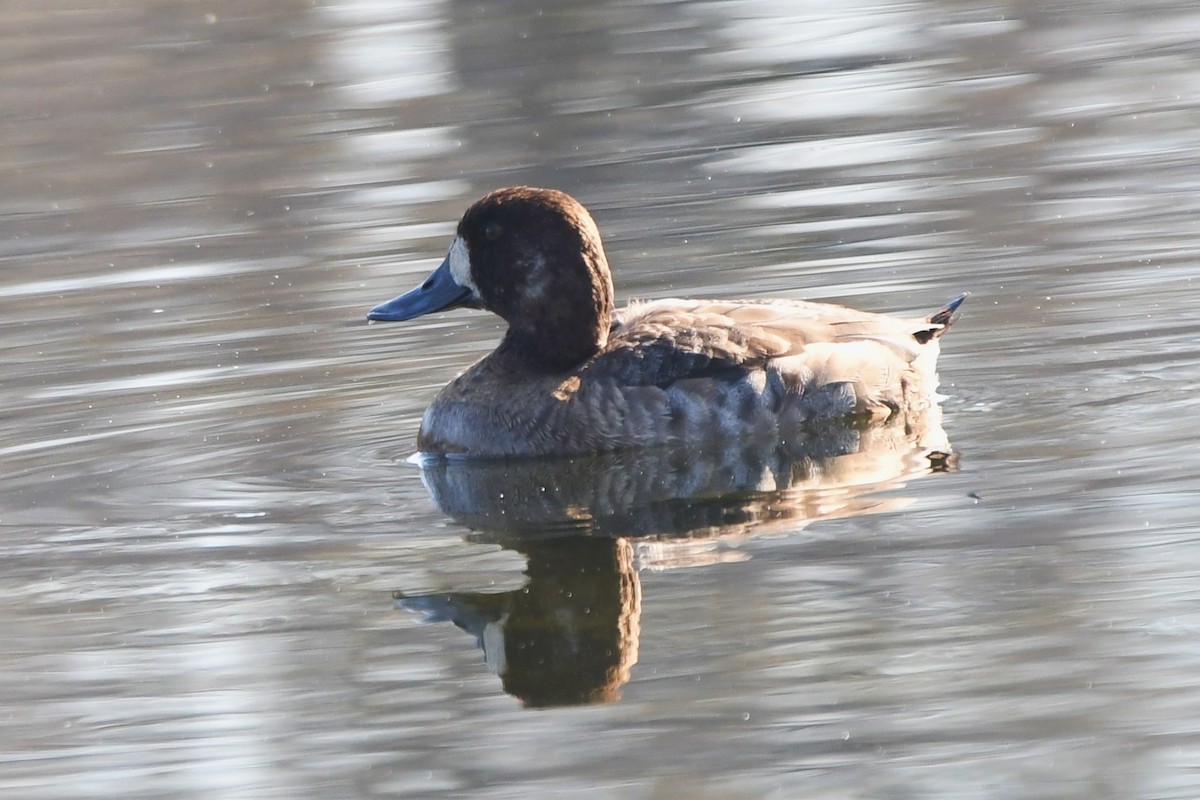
<point x="942" y="319"/>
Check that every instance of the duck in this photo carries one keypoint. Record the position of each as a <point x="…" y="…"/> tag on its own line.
<point x="573" y="375"/>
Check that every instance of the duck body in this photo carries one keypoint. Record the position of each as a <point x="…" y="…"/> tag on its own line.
<point x="573" y="376"/>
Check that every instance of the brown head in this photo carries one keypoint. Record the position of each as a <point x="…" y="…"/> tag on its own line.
<point x="534" y="257"/>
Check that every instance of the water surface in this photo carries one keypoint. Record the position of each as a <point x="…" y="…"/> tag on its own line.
<point x="222" y="575"/>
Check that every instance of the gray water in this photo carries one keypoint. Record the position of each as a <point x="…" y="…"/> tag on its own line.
<point x="222" y="577"/>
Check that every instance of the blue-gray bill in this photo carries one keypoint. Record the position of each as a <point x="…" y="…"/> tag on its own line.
<point x="439" y="292"/>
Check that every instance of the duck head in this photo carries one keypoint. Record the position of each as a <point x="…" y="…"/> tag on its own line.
<point x="534" y="257"/>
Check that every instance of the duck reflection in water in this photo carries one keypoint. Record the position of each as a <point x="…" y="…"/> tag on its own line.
<point x="587" y="525"/>
<point x="569" y="636"/>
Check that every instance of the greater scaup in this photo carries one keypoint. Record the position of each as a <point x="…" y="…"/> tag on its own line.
<point x="572" y="375"/>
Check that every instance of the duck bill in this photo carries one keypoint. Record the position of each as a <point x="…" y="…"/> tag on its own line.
<point x="439" y="292"/>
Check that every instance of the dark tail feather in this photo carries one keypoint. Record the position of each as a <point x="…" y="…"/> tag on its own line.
<point x="943" y="318"/>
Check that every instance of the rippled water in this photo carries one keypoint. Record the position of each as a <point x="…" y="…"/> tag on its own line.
<point x="223" y="578"/>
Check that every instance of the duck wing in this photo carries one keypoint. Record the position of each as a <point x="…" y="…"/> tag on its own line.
<point x="664" y="341"/>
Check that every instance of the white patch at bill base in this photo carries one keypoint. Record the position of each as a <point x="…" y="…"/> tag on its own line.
<point x="460" y="265"/>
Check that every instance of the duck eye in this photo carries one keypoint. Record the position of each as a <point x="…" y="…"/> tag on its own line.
<point x="492" y="231"/>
